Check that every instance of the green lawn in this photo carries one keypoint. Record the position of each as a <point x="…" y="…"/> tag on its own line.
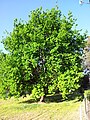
<point x="22" y="109"/>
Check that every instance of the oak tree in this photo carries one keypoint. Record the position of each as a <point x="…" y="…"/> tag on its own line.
<point x="44" y="55"/>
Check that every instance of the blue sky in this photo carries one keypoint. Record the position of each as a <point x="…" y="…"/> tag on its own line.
<point x="11" y="9"/>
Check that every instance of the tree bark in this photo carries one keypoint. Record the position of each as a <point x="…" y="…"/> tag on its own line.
<point x="42" y="99"/>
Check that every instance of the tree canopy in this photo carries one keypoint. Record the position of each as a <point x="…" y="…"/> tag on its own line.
<point x="44" y="55"/>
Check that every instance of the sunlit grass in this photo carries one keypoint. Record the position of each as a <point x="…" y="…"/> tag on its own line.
<point x="22" y="109"/>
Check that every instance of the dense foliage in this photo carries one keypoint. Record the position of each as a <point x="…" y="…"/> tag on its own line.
<point x="44" y="55"/>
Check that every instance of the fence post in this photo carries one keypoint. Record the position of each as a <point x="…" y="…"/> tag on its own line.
<point x="85" y="105"/>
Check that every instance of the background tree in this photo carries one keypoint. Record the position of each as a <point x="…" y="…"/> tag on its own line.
<point x="44" y="55"/>
<point x="86" y="58"/>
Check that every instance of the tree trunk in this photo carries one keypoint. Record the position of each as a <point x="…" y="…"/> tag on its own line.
<point x="42" y="99"/>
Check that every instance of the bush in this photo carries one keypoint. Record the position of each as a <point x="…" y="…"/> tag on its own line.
<point x="87" y="94"/>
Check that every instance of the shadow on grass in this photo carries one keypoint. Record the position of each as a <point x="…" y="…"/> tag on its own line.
<point x="29" y="101"/>
<point x="48" y="99"/>
<point x="56" y="98"/>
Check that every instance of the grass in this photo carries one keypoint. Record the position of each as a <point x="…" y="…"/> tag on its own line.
<point x="23" y="109"/>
